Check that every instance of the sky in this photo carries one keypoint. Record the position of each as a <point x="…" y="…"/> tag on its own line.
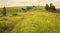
<point x="9" y="3"/>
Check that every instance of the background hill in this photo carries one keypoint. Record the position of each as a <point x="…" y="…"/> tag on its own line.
<point x="35" y="20"/>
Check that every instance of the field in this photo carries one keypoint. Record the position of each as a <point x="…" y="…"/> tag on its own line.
<point x="36" y="20"/>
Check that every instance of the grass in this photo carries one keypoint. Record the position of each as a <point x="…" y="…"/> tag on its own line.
<point x="33" y="21"/>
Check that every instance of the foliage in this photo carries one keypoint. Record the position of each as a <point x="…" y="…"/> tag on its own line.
<point x="4" y="11"/>
<point x="36" y="21"/>
<point x="51" y="8"/>
<point x="47" y="7"/>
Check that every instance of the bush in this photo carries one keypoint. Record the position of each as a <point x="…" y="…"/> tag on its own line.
<point x="28" y="7"/>
<point x="24" y="9"/>
<point x="15" y="14"/>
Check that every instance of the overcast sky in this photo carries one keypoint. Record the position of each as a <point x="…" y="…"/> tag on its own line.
<point x="28" y="2"/>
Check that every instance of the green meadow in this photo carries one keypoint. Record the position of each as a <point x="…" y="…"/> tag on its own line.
<point x="35" y="20"/>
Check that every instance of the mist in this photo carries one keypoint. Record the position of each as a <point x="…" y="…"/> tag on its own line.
<point x="10" y="3"/>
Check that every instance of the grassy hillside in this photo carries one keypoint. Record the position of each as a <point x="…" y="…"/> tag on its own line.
<point x="32" y="21"/>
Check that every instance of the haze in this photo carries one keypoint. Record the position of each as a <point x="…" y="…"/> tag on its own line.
<point x="9" y="3"/>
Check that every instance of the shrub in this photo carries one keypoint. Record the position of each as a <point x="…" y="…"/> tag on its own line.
<point x="24" y="9"/>
<point x="15" y="14"/>
<point x="28" y="7"/>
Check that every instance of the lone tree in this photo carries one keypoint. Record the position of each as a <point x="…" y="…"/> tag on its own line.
<point x="4" y="11"/>
<point x="47" y="7"/>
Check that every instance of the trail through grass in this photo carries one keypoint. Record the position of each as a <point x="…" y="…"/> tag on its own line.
<point x="39" y="22"/>
<point x="32" y="21"/>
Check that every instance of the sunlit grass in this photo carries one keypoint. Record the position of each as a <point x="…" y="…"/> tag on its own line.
<point x="38" y="22"/>
<point x="33" y="21"/>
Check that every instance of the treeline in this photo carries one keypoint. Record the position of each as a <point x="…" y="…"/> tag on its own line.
<point x="23" y="9"/>
<point x="50" y="7"/>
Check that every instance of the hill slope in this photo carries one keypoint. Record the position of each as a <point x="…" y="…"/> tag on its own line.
<point x="33" y="21"/>
<point x="38" y="22"/>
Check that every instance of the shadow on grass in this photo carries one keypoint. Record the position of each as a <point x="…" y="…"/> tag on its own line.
<point x="4" y="28"/>
<point x="54" y="11"/>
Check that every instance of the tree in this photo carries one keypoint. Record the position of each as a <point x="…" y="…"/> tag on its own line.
<point x="52" y="7"/>
<point x="47" y="7"/>
<point x="4" y="11"/>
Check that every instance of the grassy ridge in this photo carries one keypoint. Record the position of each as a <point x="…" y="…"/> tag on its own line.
<point x="39" y="22"/>
<point x="33" y="21"/>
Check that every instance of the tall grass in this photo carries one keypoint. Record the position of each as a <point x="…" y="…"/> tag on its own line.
<point x="33" y="21"/>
